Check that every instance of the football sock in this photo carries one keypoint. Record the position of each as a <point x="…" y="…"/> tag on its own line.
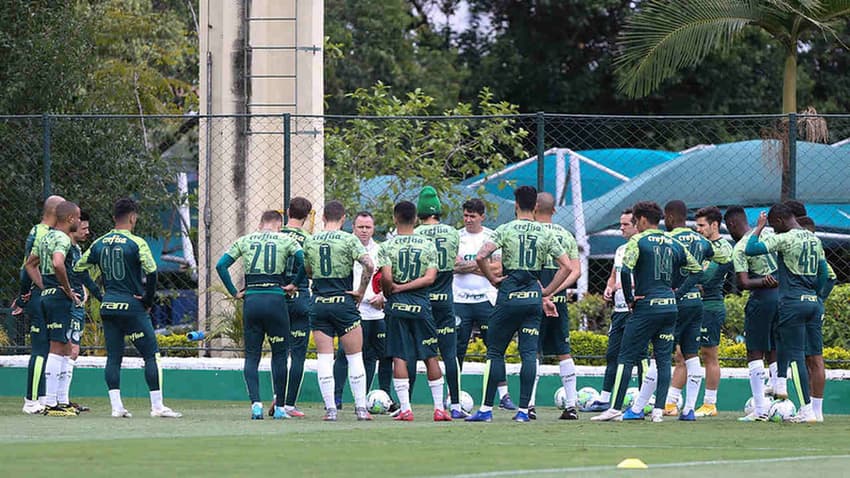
<point x="402" y="390"/>
<point x="605" y="396"/>
<point x="340" y="371"/>
<point x="774" y="375"/>
<point x="156" y="400"/>
<point x="673" y="395"/>
<point x="568" y="379"/>
<point x="65" y="388"/>
<point x="757" y="386"/>
<point x="503" y="390"/>
<point x="647" y="388"/>
<point x="436" y="387"/>
<point x="52" y="370"/>
<point x="781" y="387"/>
<point x="710" y="397"/>
<point x="695" y="374"/>
<point x="115" y="399"/>
<point x="534" y="387"/>
<point x="325" y="372"/>
<point x="357" y="378"/>
<point x="817" y="406"/>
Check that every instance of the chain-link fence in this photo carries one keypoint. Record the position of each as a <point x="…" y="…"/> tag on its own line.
<point x="204" y="181"/>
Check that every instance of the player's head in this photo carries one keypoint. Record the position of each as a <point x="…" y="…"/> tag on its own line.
<point x="675" y="214"/>
<point x="781" y="218"/>
<point x="806" y="223"/>
<point x="474" y="211"/>
<point x="48" y="213"/>
<point x="627" y="223"/>
<point x="404" y="214"/>
<point x="271" y="220"/>
<point x="526" y="199"/>
<point x="545" y="206"/>
<point x="708" y="221"/>
<point x="334" y="212"/>
<point x="125" y="212"/>
<point x="364" y="226"/>
<point x="67" y="216"/>
<point x="299" y="208"/>
<point x="428" y="204"/>
<point x="82" y="232"/>
<point x="797" y="208"/>
<point x="647" y="215"/>
<point x="736" y="222"/>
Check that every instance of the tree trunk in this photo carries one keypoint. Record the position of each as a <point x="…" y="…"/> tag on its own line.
<point x="789" y="105"/>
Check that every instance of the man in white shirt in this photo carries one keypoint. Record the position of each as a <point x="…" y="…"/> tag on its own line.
<point x="474" y="296"/>
<point x="372" y="320"/>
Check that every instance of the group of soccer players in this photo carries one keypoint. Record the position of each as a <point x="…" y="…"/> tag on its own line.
<point x="55" y="285"/>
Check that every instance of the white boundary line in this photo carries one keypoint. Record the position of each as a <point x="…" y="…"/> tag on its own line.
<point x="685" y="464"/>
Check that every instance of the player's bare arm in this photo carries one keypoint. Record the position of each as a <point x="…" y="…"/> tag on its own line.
<point x="31" y="267"/>
<point x="766" y="282"/>
<point x="62" y="277"/>
<point x="483" y="260"/>
<point x="420" y="283"/>
<point x="387" y="280"/>
<point x="365" y="277"/>
<point x="610" y="286"/>
<point x="561" y="275"/>
<point x="572" y="278"/>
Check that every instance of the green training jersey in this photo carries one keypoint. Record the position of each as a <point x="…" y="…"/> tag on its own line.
<point x="568" y="242"/>
<point x="35" y="236"/>
<point x="265" y="255"/>
<point x="755" y="266"/>
<point x="54" y="241"/>
<point x="410" y="256"/>
<point x="331" y="255"/>
<point x="655" y="258"/>
<point x="698" y="246"/>
<point x="446" y="242"/>
<point x="300" y="236"/>
<point x="77" y="279"/>
<point x="799" y="253"/>
<point x="712" y="288"/>
<point x="123" y="259"/>
<point x="525" y="245"/>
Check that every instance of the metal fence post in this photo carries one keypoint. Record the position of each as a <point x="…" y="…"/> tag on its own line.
<point x="541" y="145"/>
<point x="791" y="175"/>
<point x="47" y="186"/>
<point x="287" y="161"/>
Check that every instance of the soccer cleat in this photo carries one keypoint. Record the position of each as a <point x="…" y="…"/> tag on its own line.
<point x="442" y="416"/>
<point x="405" y="416"/>
<point x="166" y="412"/>
<point x="69" y="407"/>
<point x="459" y="414"/>
<point x="671" y="409"/>
<point x="507" y="404"/>
<point x="58" y="411"/>
<point x="804" y="415"/>
<point x="630" y="415"/>
<point x="271" y="410"/>
<point x="295" y="413"/>
<point x="330" y="415"/>
<point x="80" y="408"/>
<point x="596" y="406"/>
<point x="32" y="407"/>
<point x="688" y="417"/>
<point x="480" y="416"/>
<point x="280" y="414"/>
<point x="753" y="417"/>
<point x="768" y="391"/>
<point x="532" y="413"/>
<point x="257" y="412"/>
<point x="610" y="415"/>
<point x="657" y="415"/>
<point x="394" y="407"/>
<point x="338" y="404"/>
<point x="362" y="414"/>
<point x="121" y="413"/>
<point x="521" y="417"/>
<point x="706" y="410"/>
<point x="569" y="413"/>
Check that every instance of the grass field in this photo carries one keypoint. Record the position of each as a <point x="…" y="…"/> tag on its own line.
<point x="217" y="439"/>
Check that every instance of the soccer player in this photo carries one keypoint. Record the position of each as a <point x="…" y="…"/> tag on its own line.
<point x="521" y="302"/>
<point x="330" y="258"/>
<point x="125" y="260"/>
<point x="30" y="300"/>
<point x="653" y="258"/>
<point x="474" y="296"/>
<point x="761" y="314"/>
<point x="408" y="265"/>
<point x="555" y="330"/>
<point x="803" y="273"/>
<point x="297" y="304"/>
<point x="689" y="316"/>
<point x="266" y="256"/>
<point x="446" y="240"/>
<point x="614" y="292"/>
<point x="714" y="308"/>
<point x="47" y="267"/>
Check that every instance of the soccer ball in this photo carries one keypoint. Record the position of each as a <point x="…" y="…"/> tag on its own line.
<point x="378" y="402"/>
<point x="466" y="402"/>
<point x="561" y="398"/>
<point x="631" y="396"/>
<point x="586" y="396"/>
<point x="647" y="409"/>
<point x="750" y="406"/>
<point x="782" y="410"/>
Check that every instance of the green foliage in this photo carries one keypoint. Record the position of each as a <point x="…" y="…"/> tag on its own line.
<point x="735" y="304"/>
<point x="178" y="341"/>
<point x="836" y="353"/>
<point x="585" y="343"/>
<point x="595" y="309"/>
<point x="836" y="323"/>
<point x="229" y="325"/>
<point x="736" y="353"/>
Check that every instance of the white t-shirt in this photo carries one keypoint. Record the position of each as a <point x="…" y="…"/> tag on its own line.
<point x="619" y="298"/>
<point x="472" y="288"/>
<point x="367" y="311"/>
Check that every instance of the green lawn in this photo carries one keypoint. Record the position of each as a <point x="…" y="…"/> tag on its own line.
<point x="217" y="439"/>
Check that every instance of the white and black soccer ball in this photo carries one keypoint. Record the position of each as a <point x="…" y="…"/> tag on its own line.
<point x="378" y="402"/>
<point x="586" y="396"/>
<point x="631" y="395"/>
<point x="782" y="410"/>
<point x="561" y="398"/>
<point x="750" y="406"/>
<point x="466" y="402"/>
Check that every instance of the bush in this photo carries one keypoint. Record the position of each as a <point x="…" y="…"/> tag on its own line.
<point x="595" y="309"/>
<point x="836" y="324"/>
<point x="178" y="341"/>
<point x="735" y="304"/>
<point x="735" y="353"/>
<point x="585" y="343"/>
<point x="836" y="353"/>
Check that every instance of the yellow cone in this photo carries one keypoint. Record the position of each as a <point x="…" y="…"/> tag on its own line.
<point x="632" y="464"/>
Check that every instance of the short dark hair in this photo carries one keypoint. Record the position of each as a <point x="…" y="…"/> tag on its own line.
<point x="427" y="215"/>
<point x="797" y="208"/>
<point x="526" y="198"/>
<point x="299" y="208"/>
<point x="405" y="212"/>
<point x="123" y="208"/>
<point x="365" y="214"/>
<point x="806" y="222"/>
<point x="780" y="211"/>
<point x="648" y="209"/>
<point x="64" y="210"/>
<point x="711" y="214"/>
<point x="627" y="210"/>
<point x="84" y="216"/>
<point x="475" y="205"/>
<point x="677" y="208"/>
<point x="733" y="212"/>
<point x="334" y="211"/>
<point x="270" y="216"/>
